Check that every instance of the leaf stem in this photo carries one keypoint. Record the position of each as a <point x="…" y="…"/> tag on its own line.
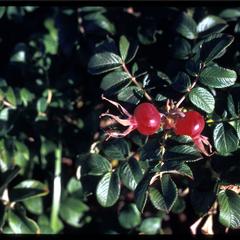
<point x="224" y="120"/>
<point x="148" y="97"/>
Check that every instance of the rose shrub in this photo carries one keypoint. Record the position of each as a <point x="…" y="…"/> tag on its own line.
<point x="119" y="119"/>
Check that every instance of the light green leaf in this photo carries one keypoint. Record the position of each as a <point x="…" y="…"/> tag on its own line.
<point x="108" y="189"/>
<point x="218" y="77"/>
<point x="151" y="225"/>
<point x="129" y="216"/>
<point x="202" y="99"/>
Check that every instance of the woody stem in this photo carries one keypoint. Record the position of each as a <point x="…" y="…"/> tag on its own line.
<point x="149" y="98"/>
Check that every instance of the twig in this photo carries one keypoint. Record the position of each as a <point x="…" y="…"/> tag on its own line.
<point x="149" y="98"/>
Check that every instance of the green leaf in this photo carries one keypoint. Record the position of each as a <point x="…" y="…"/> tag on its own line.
<point x="94" y="164"/>
<point x="211" y="24"/>
<point x="157" y="199"/>
<point x="214" y="48"/>
<point x="231" y="106"/>
<point x="181" y="49"/>
<point x="117" y="149"/>
<point x="131" y="173"/>
<point x="20" y="53"/>
<point x="34" y="205"/>
<point x="42" y="105"/>
<point x="129" y="216"/>
<point x="202" y="99"/>
<point x="74" y="187"/>
<point x="7" y="176"/>
<point x="181" y="82"/>
<point x="2" y="215"/>
<point x="169" y="191"/>
<point x="225" y="138"/>
<point x="20" y="223"/>
<point x="115" y="81"/>
<point x="230" y="13"/>
<point x="186" y="26"/>
<point x="10" y="96"/>
<point x="182" y="153"/>
<point x="176" y="167"/>
<point x="108" y="189"/>
<point x="72" y="211"/>
<point x="179" y="205"/>
<point x="104" y="62"/>
<point x="141" y="192"/>
<point x="27" y="189"/>
<point x="229" y="203"/>
<point x="218" y="77"/>
<point x="2" y="11"/>
<point x="131" y="95"/>
<point x="26" y="96"/>
<point x="124" y="47"/>
<point x="151" y="226"/>
<point x="127" y="51"/>
<point x="193" y="67"/>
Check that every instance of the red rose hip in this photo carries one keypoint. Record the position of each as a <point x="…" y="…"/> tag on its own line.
<point x="192" y="124"/>
<point x="148" y="118"/>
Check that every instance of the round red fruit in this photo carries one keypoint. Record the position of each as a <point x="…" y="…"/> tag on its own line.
<point x="192" y="124"/>
<point x="148" y="118"/>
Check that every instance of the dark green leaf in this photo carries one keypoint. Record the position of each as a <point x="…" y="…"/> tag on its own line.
<point x="231" y="106"/>
<point x="182" y="153"/>
<point x="176" y="167"/>
<point x="181" y="48"/>
<point x="2" y="11"/>
<point x="229" y="203"/>
<point x="193" y="67"/>
<point x="186" y="26"/>
<point x="214" y="48"/>
<point x="94" y="164"/>
<point x="10" y="96"/>
<point x="202" y="99"/>
<point x="157" y="199"/>
<point x="169" y="191"/>
<point x="218" y="77"/>
<point x="179" y="205"/>
<point x="131" y="173"/>
<point x="104" y="62"/>
<point x="108" y="189"/>
<point x="141" y="192"/>
<point x="181" y="82"/>
<point x="225" y="138"/>
<point x="131" y="95"/>
<point x="27" y="189"/>
<point x="115" y="81"/>
<point x="118" y="149"/>
<point x="129" y="216"/>
<point x="211" y="24"/>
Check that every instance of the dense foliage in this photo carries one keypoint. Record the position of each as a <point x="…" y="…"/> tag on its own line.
<point x="58" y="172"/>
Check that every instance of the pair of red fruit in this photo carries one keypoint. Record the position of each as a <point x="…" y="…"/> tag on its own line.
<point x="147" y="120"/>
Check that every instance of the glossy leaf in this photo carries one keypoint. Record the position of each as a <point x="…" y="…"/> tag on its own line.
<point x="108" y="189"/>
<point x="211" y="49"/>
<point x="169" y="191"/>
<point x="225" y="138"/>
<point x="181" y="82"/>
<point x="229" y="203"/>
<point x="131" y="173"/>
<point x="186" y="26"/>
<point x="157" y="199"/>
<point x="104" y="62"/>
<point x="218" y="77"/>
<point x="202" y="99"/>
